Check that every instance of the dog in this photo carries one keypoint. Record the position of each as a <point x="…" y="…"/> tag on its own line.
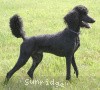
<point x="63" y="44"/>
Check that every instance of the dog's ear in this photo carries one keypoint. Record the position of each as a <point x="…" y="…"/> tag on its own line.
<point x="72" y="18"/>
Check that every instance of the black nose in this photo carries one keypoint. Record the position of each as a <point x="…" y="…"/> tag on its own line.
<point x="92" y="21"/>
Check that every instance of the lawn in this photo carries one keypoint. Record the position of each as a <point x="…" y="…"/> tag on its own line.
<point x="46" y="17"/>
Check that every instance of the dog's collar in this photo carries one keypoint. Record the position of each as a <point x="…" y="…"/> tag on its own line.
<point x="74" y="32"/>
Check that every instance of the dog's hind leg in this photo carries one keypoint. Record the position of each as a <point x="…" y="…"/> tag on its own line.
<point x="23" y="58"/>
<point x="37" y="58"/>
<point x="74" y="66"/>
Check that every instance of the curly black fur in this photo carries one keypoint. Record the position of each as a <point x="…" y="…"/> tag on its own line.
<point x="64" y="43"/>
<point x="16" y="26"/>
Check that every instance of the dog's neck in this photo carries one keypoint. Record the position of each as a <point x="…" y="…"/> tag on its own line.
<point x="74" y="30"/>
<point x="77" y="33"/>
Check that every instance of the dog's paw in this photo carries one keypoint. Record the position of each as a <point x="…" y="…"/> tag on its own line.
<point x="30" y="75"/>
<point x="76" y="72"/>
<point x="68" y="78"/>
<point x="6" y="81"/>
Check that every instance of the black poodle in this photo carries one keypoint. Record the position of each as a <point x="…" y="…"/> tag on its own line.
<point x="63" y="44"/>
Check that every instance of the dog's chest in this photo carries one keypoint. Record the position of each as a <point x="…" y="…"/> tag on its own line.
<point x="77" y="43"/>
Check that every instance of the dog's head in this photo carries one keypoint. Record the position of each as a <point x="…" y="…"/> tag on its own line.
<point x="78" y="17"/>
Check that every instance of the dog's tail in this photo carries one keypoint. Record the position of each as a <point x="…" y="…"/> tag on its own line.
<point x="16" y="26"/>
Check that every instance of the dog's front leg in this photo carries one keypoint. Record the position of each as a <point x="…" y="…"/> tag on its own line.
<point x="68" y="67"/>
<point x="75" y="66"/>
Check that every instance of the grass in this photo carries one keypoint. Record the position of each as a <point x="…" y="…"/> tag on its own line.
<point x="43" y="17"/>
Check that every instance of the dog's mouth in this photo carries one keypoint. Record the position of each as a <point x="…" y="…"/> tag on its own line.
<point x="86" y="20"/>
<point x="85" y="24"/>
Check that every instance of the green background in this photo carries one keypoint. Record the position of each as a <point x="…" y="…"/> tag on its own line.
<point x="46" y="17"/>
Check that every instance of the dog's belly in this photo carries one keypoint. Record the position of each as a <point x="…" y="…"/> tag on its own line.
<point x="56" y="51"/>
